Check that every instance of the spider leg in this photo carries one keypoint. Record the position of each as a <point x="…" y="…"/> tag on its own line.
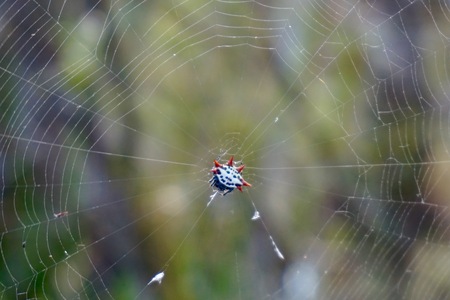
<point x="227" y="192"/>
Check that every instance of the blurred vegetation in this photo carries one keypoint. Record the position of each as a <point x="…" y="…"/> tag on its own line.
<point x="112" y="113"/>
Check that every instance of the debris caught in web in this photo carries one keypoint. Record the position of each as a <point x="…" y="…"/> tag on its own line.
<point x="157" y="278"/>
<point x="211" y="198"/>
<point x="256" y="216"/>
<point x="275" y="248"/>
<point x="61" y="214"/>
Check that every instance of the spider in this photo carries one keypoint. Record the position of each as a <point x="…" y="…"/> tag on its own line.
<point x="227" y="177"/>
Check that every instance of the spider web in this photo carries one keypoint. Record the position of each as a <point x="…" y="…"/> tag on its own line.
<point x="112" y="112"/>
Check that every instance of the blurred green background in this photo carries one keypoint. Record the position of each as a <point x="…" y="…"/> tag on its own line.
<point x="111" y="114"/>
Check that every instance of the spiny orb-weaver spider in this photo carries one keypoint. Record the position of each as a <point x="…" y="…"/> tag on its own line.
<point x="226" y="177"/>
